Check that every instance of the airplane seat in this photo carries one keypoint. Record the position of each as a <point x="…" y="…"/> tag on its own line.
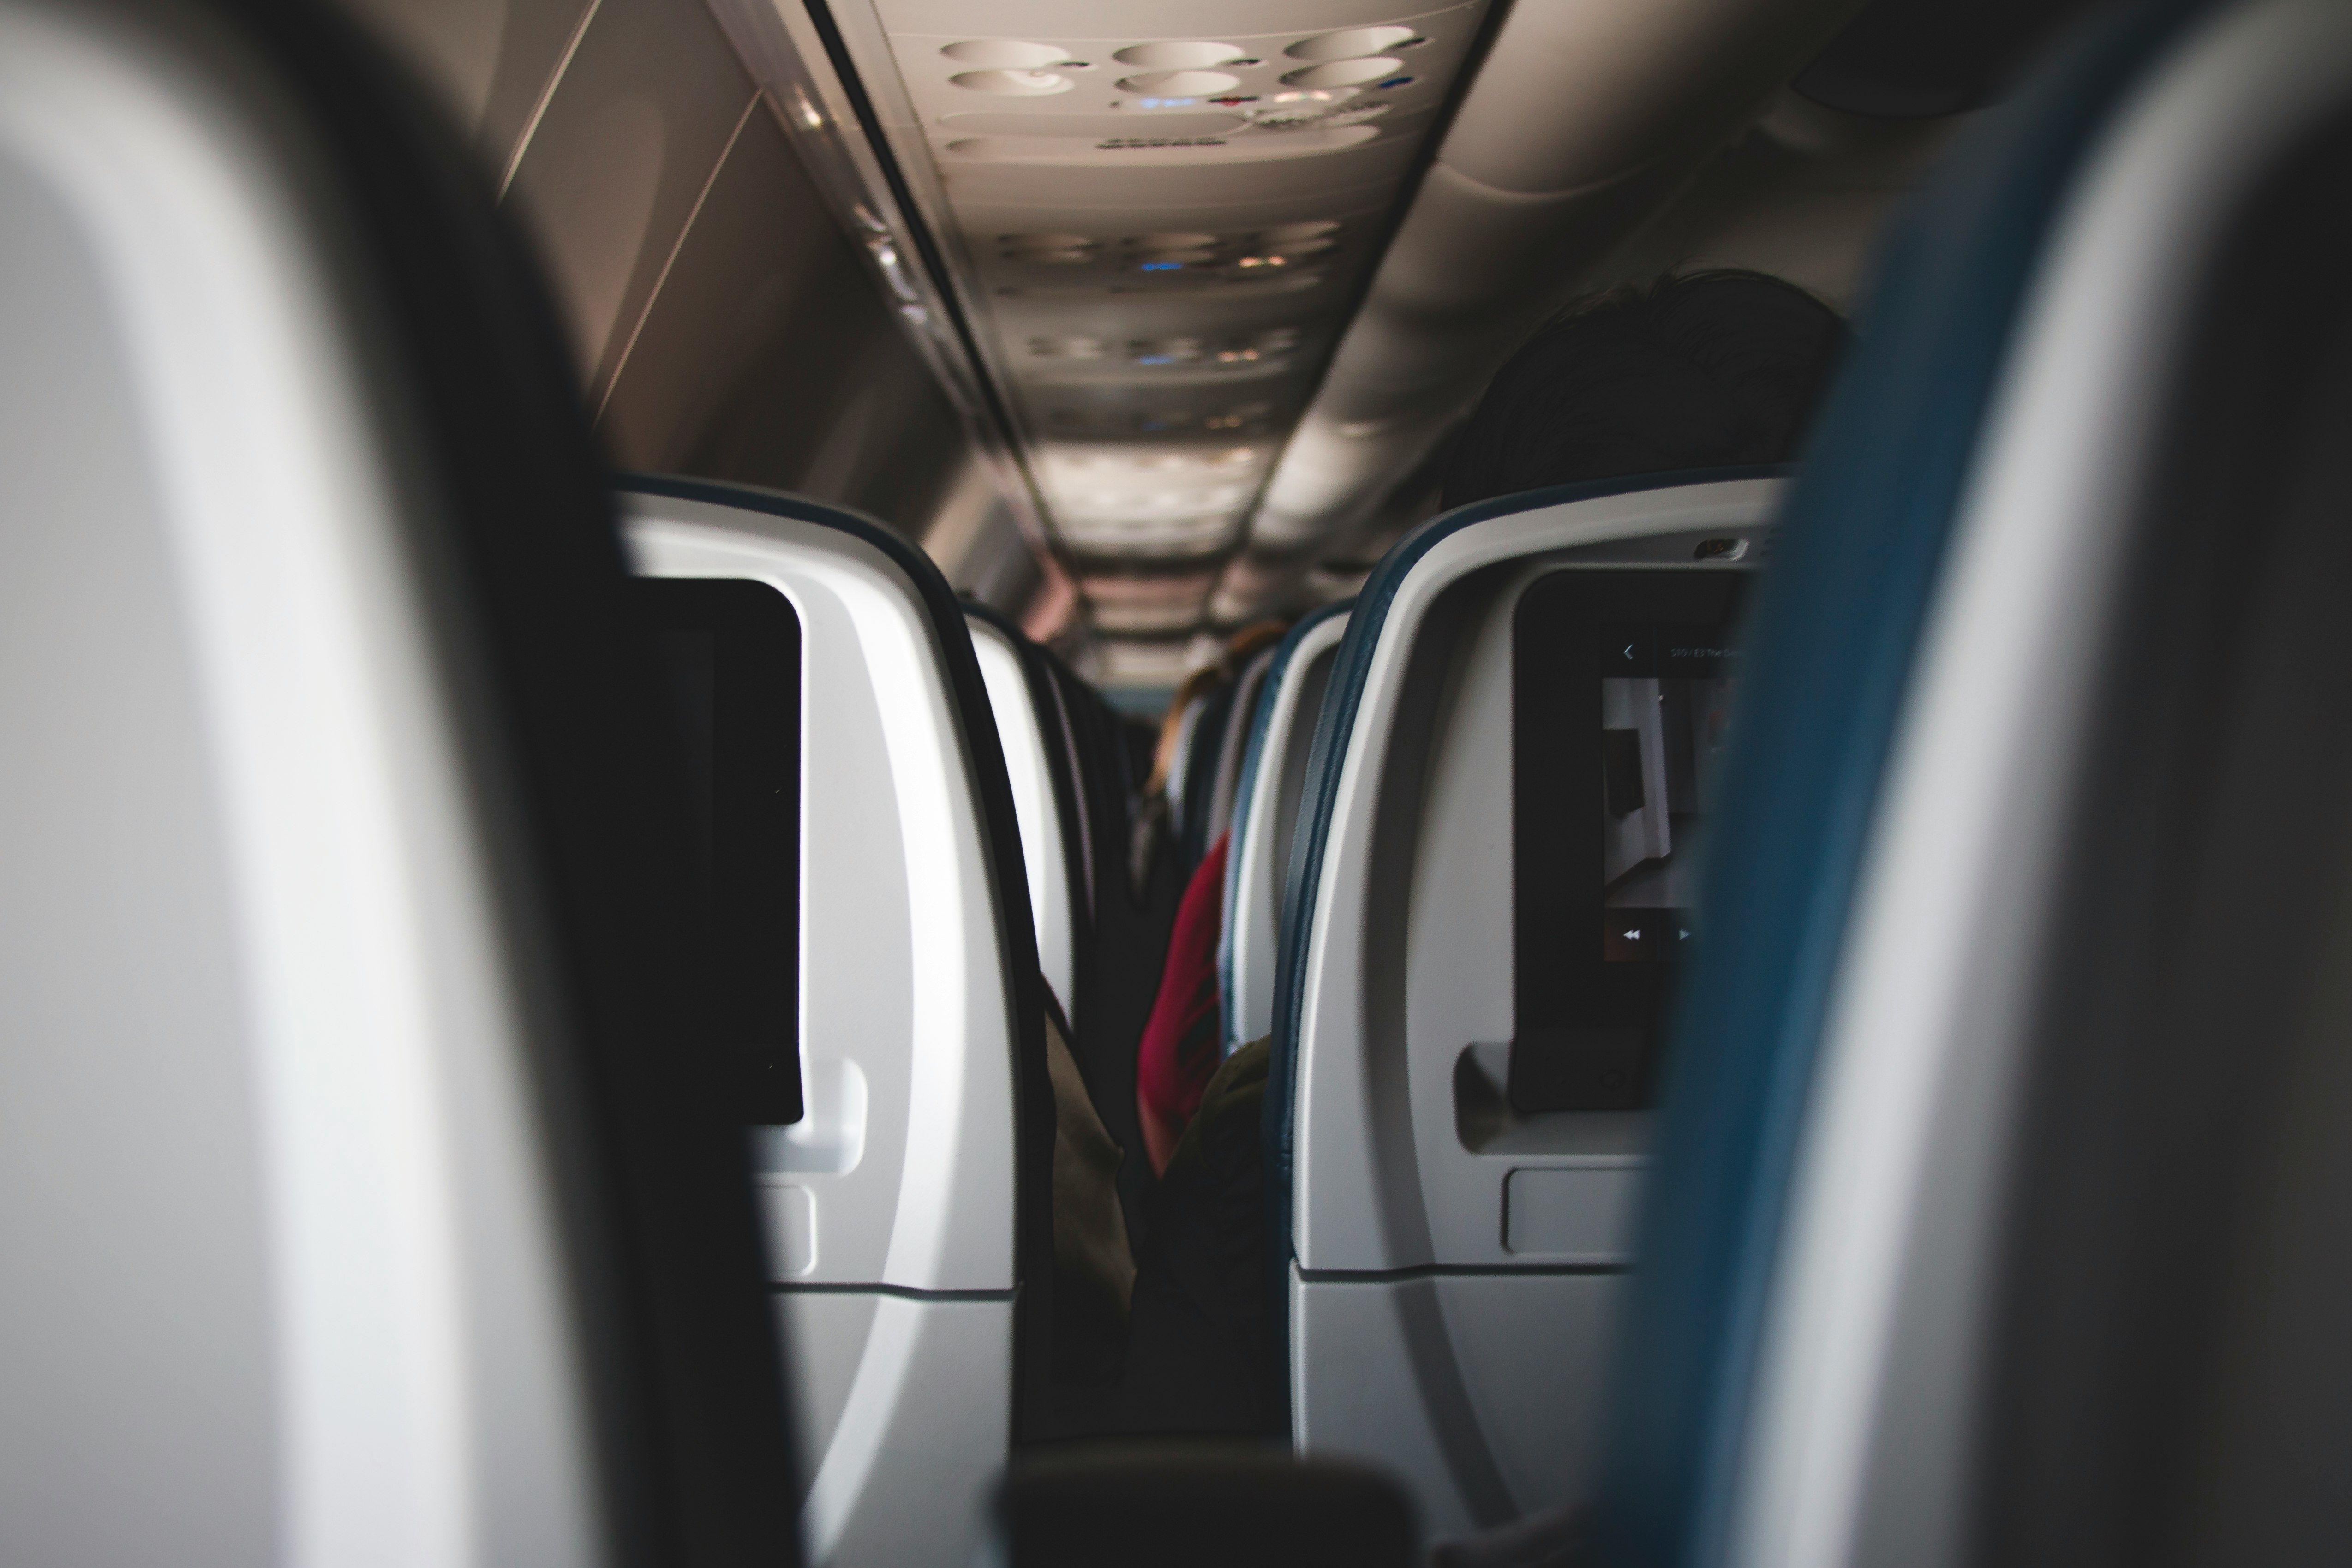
<point x="369" y="1198"/>
<point x="1488" y="892"/>
<point x="1118" y="972"/>
<point x="912" y="1199"/>
<point x="1265" y="811"/>
<point x="1215" y="726"/>
<point x="1249" y="682"/>
<point x="1191" y="774"/>
<point x="1084" y="924"/>
<point x="1987" y="1069"/>
<point x="1047" y="792"/>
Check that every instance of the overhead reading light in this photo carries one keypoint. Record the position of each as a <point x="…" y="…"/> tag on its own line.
<point x="1179" y="55"/>
<point x="1190" y="83"/>
<point x="1344" y="73"/>
<point x="1352" y="43"/>
<point x="1046" y="241"/>
<point x="1166" y="351"/>
<point x="1050" y="249"/>
<point x="1069" y="348"/>
<point x="1004" y="54"/>
<point x="1014" y="83"/>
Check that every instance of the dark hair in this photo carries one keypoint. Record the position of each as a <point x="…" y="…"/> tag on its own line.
<point x="1699" y="371"/>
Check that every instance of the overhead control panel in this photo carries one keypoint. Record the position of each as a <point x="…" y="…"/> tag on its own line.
<point x="1154" y="227"/>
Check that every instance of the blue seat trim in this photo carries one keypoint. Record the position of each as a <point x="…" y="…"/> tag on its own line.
<point x="1246" y="785"/>
<point x="1335" y="723"/>
<point x="1830" y="647"/>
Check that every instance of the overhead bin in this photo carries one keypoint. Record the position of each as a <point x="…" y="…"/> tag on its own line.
<point x="362" y="1199"/>
<point x="1489" y="892"/>
<point x="1988" y="1072"/>
<point x="896" y="1205"/>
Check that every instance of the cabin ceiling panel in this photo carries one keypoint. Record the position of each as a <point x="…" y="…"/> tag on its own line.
<point x="1095" y="176"/>
<point x="1156" y="217"/>
<point x="1131" y="20"/>
<point x="1135" y="232"/>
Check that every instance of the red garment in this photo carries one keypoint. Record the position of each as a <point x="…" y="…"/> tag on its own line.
<point x="1179" y="1052"/>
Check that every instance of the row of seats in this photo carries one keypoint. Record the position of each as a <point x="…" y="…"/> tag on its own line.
<point x="1451" y="1328"/>
<point x="384" y="1050"/>
<point x="1450" y="1240"/>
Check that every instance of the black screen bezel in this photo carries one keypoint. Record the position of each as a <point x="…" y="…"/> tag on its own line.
<point x="1587" y="1029"/>
<point x="753" y="1008"/>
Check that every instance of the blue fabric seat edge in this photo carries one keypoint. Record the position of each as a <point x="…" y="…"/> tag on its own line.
<point x="1829" y="650"/>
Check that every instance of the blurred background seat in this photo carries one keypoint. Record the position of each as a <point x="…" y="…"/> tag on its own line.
<point x="372" y="1195"/>
<point x="1988" y="1076"/>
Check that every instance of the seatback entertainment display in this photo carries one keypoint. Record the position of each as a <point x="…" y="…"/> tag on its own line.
<point x="1665" y="697"/>
<point x="728" y="654"/>
<point x="1622" y="686"/>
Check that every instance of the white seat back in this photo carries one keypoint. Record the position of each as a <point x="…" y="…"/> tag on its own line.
<point x="1034" y="751"/>
<point x="359" y="1200"/>
<point x="1273" y="770"/>
<point x="891" y="1205"/>
<point x="1451" y="1259"/>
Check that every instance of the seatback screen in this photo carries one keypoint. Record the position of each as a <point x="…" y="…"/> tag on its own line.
<point x="1665" y="697"/>
<point x="1621" y="685"/>
<point x="728" y="652"/>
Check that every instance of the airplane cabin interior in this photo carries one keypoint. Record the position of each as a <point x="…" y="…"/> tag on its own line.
<point x="885" y="783"/>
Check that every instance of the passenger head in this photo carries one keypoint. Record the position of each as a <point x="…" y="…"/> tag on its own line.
<point x="1700" y="372"/>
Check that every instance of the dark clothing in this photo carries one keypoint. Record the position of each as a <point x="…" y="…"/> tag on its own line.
<point x="1198" y="1356"/>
